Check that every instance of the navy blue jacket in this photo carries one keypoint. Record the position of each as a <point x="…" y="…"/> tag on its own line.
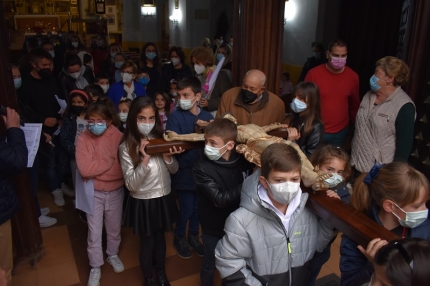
<point x="183" y="122"/>
<point x="354" y="267"/>
<point x="67" y="141"/>
<point x="13" y="160"/>
<point x="116" y="92"/>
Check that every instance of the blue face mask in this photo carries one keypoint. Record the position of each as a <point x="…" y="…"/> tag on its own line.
<point x="144" y="80"/>
<point x="97" y="129"/>
<point x="119" y="64"/>
<point x="17" y="82"/>
<point x="374" y="83"/>
<point x="298" y="106"/>
<point x="151" y="55"/>
<point x="219" y="57"/>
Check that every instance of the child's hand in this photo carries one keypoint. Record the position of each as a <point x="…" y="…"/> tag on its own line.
<point x="293" y="134"/>
<point x="168" y="156"/>
<point x="203" y="102"/>
<point x="142" y="147"/>
<point x="373" y="247"/>
<point x="332" y="194"/>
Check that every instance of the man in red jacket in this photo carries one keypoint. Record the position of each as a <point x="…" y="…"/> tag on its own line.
<point x="339" y="91"/>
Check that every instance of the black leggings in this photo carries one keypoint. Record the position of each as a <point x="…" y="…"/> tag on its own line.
<point x="152" y="246"/>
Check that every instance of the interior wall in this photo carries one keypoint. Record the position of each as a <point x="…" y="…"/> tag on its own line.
<point x="216" y="9"/>
<point x="300" y="31"/>
<point x="138" y="29"/>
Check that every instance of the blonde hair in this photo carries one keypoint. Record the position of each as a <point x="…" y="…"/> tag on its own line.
<point x="395" y="68"/>
<point x="396" y="181"/>
<point x="203" y="55"/>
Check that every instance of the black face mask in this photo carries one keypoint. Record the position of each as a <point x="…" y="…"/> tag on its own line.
<point x="45" y="73"/>
<point x="248" y="96"/>
<point x="76" y="110"/>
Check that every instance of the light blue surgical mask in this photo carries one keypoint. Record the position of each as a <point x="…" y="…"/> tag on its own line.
<point x="151" y="55"/>
<point x="374" y="83"/>
<point x="334" y="180"/>
<point x="17" y="82"/>
<point x="298" y="106"/>
<point x="98" y="128"/>
<point x="52" y="53"/>
<point x="213" y="153"/>
<point x="119" y="64"/>
<point x="219" y="57"/>
<point x="112" y="55"/>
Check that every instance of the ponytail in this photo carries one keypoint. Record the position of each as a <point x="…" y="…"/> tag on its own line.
<point x="361" y="198"/>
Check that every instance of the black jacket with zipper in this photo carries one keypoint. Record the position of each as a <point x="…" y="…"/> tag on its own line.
<point x="219" y="184"/>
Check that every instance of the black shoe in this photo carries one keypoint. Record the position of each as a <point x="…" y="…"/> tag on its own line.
<point x="83" y="216"/>
<point x="162" y="279"/>
<point x="182" y="248"/>
<point x="194" y="242"/>
<point x="149" y="281"/>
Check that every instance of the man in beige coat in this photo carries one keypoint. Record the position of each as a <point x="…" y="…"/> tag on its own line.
<point x="252" y="103"/>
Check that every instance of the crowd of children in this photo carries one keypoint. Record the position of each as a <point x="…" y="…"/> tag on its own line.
<point x="255" y="226"/>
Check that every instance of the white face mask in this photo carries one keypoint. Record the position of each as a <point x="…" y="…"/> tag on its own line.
<point x="412" y="219"/>
<point x="334" y="180"/>
<point x="298" y="106"/>
<point x="285" y="192"/>
<point x="145" y="128"/>
<point x="123" y="116"/>
<point x="175" y="61"/>
<point x="213" y="153"/>
<point x="52" y="53"/>
<point x="174" y="94"/>
<point x="105" y="88"/>
<point x="126" y="77"/>
<point x="199" y="68"/>
<point x="75" y="75"/>
<point x="75" y="44"/>
<point x="186" y="104"/>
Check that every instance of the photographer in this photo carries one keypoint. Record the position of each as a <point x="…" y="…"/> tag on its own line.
<point x="13" y="160"/>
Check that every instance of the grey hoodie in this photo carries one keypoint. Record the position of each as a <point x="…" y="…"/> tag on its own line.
<point x="256" y="249"/>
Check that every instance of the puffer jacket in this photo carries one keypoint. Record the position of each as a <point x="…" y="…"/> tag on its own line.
<point x="152" y="181"/>
<point x="218" y="188"/>
<point x="256" y="249"/>
<point x="13" y="161"/>
<point x="354" y="267"/>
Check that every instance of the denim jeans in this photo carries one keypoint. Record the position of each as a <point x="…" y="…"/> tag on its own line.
<point x="188" y="204"/>
<point x="208" y="266"/>
<point x="34" y="177"/>
<point x="336" y="139"/>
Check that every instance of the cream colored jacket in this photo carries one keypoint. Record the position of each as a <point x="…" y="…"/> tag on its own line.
<point x="152" y="181"/>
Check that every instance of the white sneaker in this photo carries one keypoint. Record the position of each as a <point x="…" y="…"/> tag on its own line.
<point x="116" y="263"/>
<point x="46" y="221"/>
<point x="95" y="276"/>
<point x="45" y="211"/>
<point x="67" y="190"/>
<point x="58" y="198"/>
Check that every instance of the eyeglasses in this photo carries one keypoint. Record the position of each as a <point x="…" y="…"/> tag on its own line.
<point x="98" y="122"/>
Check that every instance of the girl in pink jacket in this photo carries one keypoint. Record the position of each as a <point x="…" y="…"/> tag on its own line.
<point x="97" y="159"/>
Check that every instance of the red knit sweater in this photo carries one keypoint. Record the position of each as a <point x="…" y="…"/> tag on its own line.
<point x="339" y="96"/>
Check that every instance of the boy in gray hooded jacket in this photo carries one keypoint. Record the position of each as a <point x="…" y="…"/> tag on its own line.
<point x="271" y="238"/>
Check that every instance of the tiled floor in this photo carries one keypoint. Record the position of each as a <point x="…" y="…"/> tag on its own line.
<point x="65" y="262"/>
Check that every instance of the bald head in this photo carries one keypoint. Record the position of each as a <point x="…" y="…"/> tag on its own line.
<point x="255" y="77"/>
